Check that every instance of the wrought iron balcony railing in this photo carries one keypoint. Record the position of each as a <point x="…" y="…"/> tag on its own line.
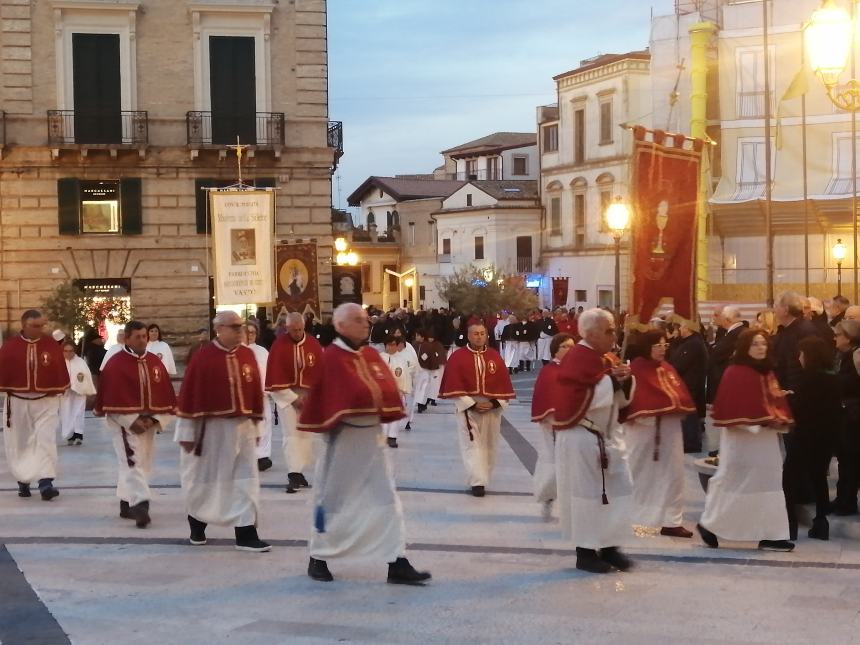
<point x="335" y="136"/>
<point x="262" y="129"/>
<point x="524" y="265"/>
<point x="124" y="128"/>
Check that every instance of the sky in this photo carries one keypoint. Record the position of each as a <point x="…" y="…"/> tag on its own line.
<point x="409" y="78"/>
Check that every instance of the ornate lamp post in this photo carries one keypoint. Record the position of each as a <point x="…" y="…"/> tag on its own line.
<point x="839" y="251"/>
<point x="345" y="255"/>
<point x="830" y="46"/>
<point x="618" y="219"/>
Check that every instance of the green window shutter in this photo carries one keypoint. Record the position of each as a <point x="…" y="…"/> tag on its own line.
<point x="69" y="206"/>
<point x="264" y="182"/>
<point x="130" y="211"/>
<point x="200" y="197"/>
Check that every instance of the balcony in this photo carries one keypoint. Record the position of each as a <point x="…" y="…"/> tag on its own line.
<point x="751" y="105"/>
<point x="479" y="175"/>
<point x="524" y="265"/>
<point x="111" y="131"/>
<point x="262" y="130"/>
<point x="335" y="140"/>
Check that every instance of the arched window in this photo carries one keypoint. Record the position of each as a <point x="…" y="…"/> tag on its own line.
<point x="371" y="219"/>
<point x="605" y="188"/>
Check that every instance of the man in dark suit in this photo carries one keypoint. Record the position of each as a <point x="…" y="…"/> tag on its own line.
<point x="788" y="311"/>
<point x="721" y="354"/>
<point x="837" y="310"/>
<point x="688" y="354"/>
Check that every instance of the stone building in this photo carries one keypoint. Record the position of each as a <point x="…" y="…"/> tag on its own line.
<point x="118" y="112"/>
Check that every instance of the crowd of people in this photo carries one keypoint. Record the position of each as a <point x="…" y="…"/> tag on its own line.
<point x="617" y="408"/>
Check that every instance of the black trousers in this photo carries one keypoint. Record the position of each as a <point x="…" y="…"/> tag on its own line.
<point x="692" y="428"/>
<point x="847" y="450"/>
<point x="807" y="462"/>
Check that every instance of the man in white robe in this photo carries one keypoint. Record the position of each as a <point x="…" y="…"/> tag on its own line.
<point x="250" y="333"/>
<point x="402" y="369"/>
<point x="73" y="403"/>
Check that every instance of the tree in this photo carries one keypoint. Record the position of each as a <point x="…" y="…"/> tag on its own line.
<point x="486" y="291"/>
<point x="74" y="309"/>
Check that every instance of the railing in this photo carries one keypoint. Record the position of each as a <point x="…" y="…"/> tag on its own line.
<point x="524" y="265"/>
<point x="751" y="105"/>
<point x="335" y="136"/>
<point x="479" y="175"/>
<point x="260" y="129"/>
<point x="443" y="258"/>
<point x="750" y="189"/>
<point x="70" y="127"/>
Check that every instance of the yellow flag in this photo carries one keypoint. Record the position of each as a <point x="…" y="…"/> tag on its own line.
<point x="798" y="87"/>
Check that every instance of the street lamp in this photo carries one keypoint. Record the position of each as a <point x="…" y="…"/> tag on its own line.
<point x="617" y="219"/>
<point x="839" y="251"/>
<point x="345" y="256"/>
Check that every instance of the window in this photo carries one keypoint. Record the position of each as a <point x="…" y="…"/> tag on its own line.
<point x="579" y="136"/>
<point x="479" y="247"/>
<point x="521" y="165"/>
<point x="201" y="196"/>
<point x="751" y="169"/>
<point x="555" y="216"/>
<point x="605" y="201"/>
<point x="411" y="233"/>
<point x="232" y="88"/>
<point x="422" y="293"/>
<point x="468" y="199"/>
<point x="606" y="121"/>
<point x="841" y="182"/>
<point x="471" y="169"/>
<point x="524" y="254"/>
<point x="366" y="278"/>
<point x="750" y="82"/>
<point x="97" y="88"/>
<point x="550" y="138"/>
<point x="580" y="295"/>
<point x="381" y="193"/>
<point x="579" y="219"/>
<point x="99" y="206"/>
<point x="494" y="168"/>
<point x="605" y="298"/>
<point x="446" y="246"/>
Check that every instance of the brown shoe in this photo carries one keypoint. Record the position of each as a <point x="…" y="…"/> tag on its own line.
<point x="676" y="531"/>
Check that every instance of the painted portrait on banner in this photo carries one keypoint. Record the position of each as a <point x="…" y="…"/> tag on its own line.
<point x="297" y="278"/>
<point x="346" y="284"/>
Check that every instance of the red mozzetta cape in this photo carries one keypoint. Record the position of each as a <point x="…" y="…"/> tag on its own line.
<point x="545" y="393"/>
<point x="353" y="383"/>
<point x="33" y="366"/>
<point x="293" y="364"/>
<point x="476" y="373"/>
<point x="581" y="369"/>
<point x="131" y="384"/>
<point x="221" y="383"/>
<point x="659" y="391"/>
<point x="747" y="397"/>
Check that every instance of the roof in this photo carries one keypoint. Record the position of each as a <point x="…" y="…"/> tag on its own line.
<point x="403" y="190"/>
<point x="605" y="59"/>
<point x="506" y="190"/>
<point x="495" y="142"/>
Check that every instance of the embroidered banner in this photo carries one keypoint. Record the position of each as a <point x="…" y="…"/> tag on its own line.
<point x="243" y="224"/>
<point x="346" y="284"/>
<point x="663" y="232"/>
<point x="559" y="292"/>
<point x="298" y="279"/>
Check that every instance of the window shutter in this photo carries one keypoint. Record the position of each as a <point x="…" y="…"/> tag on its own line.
<point x="69" y="206"/>
<point x="200" y="197"/>
<point x="264" y="182"/>
<point x="130" y="211"/>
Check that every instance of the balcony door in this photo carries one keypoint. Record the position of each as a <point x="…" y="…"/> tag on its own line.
<point x="233" y="87"/>
<point x="97" y="88"/>
<point x="524" y="254"/>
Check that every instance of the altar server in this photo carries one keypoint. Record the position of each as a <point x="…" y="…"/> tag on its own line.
<point x="250" y="334"/>
<point x="73" y="403"/>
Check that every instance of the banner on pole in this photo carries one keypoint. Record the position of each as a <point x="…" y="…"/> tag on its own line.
<point x="298" y="280"/>
<point x="663" y="232"/>
<point x="346" y="285"/>
<point x="243" y="223"/>
<point x="559" y="292"/>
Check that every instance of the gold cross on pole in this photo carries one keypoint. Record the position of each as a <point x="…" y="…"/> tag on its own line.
<point x="239" y="148"/>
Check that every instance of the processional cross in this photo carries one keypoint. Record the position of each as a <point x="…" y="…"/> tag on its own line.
<point x="239" y="148"/>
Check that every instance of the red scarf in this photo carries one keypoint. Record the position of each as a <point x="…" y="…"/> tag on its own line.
<point x="471" y="372"/>
<point x="33" y="366"/>
<point x="546" y="392"/>
<point x="747" y="397"/>
<point x="131" y="384"/>
<point x="659" y="390"/>
<point x="581" y="369"/>
<point x="293" y="364"/>
<point x="221" y="383"/>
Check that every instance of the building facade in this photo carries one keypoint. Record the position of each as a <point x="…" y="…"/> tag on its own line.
<point x="501" y="156"/>
<point x="106" y="152"/>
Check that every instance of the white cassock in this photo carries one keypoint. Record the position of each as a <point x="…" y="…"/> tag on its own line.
<point x="543" y="343"/>
<point x="402" y="368"/>
<point x="658" y="486"/>
<point x="264" y="449"/>
<point x="299" y="447"/>
<point x="527" y="350"/>
<point x="545" y="487"/>
<point x="30" y="436"/>
<point x="409" y="400"/>
<point x="222" y="484"/>
<point x="112" y="351"/>
<point x="478" y="434"/>
<point x="497" y="332"/>
<point x="162" y="350"/>
<point x="134" y="453"/>
<point x="73" y="403"/>
<point x="584" y="518"/>
<point x="745" y="499"/>
<point x="427" y="384"/>
<point x="512" y="353"/>
<point x="355" y="493"/>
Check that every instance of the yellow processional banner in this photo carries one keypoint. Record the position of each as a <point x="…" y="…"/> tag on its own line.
<point x="243" y="224"/>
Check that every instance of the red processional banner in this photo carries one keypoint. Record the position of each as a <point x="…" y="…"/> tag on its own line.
<point x="663" y="232"/>
<point x="559" y="292"/>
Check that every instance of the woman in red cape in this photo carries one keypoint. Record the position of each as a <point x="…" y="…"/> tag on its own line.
<point x="745" y="501"/>
<point x="543" y="410"/>
<point x="654" y="438"/>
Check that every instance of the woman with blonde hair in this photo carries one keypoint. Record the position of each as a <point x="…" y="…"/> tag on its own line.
<point x="765" y="321"/>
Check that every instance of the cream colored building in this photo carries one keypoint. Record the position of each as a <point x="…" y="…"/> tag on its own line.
<point x="125" y="107"/>
<point x="585" y="159"/>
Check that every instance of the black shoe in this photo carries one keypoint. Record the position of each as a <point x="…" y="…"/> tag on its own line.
<point x="478" y="491"/>
<point x="293" y="482"/>
<point x="714" y="453"/>
<point x="263" y="464"/>
<point x="432" y="402"/>
<point x="510" y="370"/>
<point x="140" y="513"/>
<point x="588" y="560"/>
<point x="421" y="408"/>
<point x="47" y="490"/>
<point x="24" y="490"/>
<point x="820" y="529"/>
<point x="400" y="572"/>
<point x="302" y="481"/>
<point x="776" y="545"/>
<point x="707" y="537"/>
<point x="408" y="425"/>
<point x="392" y="442"/>
<point x="248" y="540"/>
<point x="528" y="366"/>
<point x="318" y="570"/>
<point x="125" y="510"/>
<point x="198" y="531"/>
<point x="617" y="559"/>
<point x="70" y="441"/>
<point x="78" y="438"/>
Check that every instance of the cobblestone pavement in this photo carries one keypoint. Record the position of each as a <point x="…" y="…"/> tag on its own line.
<point x="72" y="571"/>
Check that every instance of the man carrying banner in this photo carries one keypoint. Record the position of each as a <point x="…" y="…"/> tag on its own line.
<point x="220" y="401"/>
<point x="358" y="512"/>
<point x="137" y="400"/>
<point x="294" y="366"/>
<point x="476" y="378"/>
<point x="33" y="375"/>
